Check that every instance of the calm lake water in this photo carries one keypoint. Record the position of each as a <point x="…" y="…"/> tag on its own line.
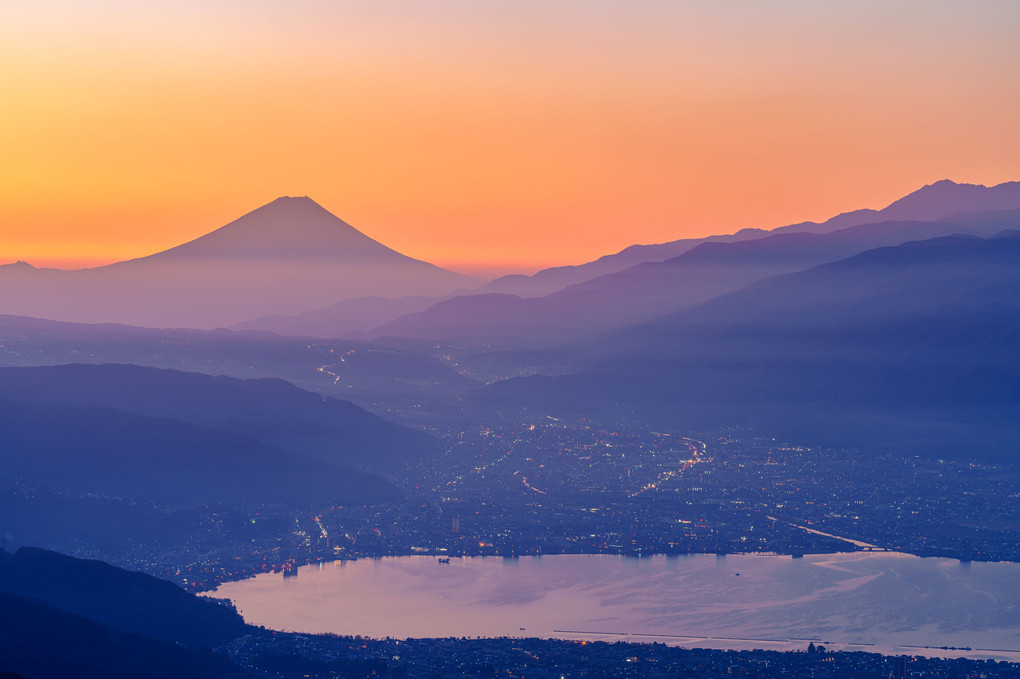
<point x="883" y="602"/>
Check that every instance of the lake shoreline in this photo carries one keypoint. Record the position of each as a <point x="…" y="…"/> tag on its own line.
<point x="750" y="600"/>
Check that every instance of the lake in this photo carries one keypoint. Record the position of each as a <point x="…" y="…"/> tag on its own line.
<point x="882" y="602"/>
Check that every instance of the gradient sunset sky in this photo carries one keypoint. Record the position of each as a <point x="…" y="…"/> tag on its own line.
<point x="490" y="135"/>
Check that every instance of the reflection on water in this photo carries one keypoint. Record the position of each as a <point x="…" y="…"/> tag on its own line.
<point x="884" y="602"/>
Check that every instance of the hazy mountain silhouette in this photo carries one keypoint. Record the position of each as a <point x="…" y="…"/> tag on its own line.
<point x="270" y="410"/>
<point x="288" y="256"/>
<point x="93" y="450"/>
<point x="32" y="514"/>
<point x="915" y="346"/>
<point x="337" y="320"/>
<point x="946" y="198"/>
<point x="654" y="288"/>
<point x="933" y="202"/>
<point x="555" y="278"/>
<point x="354" y="370"/>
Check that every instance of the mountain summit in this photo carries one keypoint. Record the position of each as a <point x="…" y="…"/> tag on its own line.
<point x="286" y="257"/>
<point x="946" y="198"/>
<point x="285" y="228"/>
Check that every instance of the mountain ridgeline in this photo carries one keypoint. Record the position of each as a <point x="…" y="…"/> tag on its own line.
<point x="106" y="458"/>
<point x="289" y="255"/>
<point x="347" y="369"/>
<point x="83" y="450"/>
<point x="644" y="281"/>
<point x="934" y="202"/>
<point x="272" y="411"/>
<point x="651" y="289"/>
<point x="792" y="329"/>
<point x="174" y="437"/>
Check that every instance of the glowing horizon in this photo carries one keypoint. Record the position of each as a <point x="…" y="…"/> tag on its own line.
<point x="490" y="136"/>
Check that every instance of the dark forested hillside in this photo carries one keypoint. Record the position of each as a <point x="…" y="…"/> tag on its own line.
<point x="131" y="602"/>
<point x="94" y="450"/>
<point x="272" y="411"/>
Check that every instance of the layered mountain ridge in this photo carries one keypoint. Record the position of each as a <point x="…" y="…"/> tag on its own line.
<point x="642" y="281"/>
<point x="939" y="200"/>
<point x="908" y="347"/>
<point x="651" y="289"/>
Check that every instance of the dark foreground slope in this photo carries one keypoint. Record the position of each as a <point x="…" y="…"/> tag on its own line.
<point x="130" y="601"/>
<point x="914" y="346"/>
<point x="272" y="411"/>
<point x="91" y="450"/>
<point x="39" y="641"/>
<point x="67" y="617"/>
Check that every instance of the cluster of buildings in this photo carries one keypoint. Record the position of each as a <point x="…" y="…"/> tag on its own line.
<point x="549" y="487"/>
<point x="287" y="655"/>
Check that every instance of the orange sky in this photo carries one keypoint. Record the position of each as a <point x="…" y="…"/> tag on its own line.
<point x="498" y="135"/>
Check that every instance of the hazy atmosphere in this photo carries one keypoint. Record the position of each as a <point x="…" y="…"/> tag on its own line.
<point x="510" y="339"/>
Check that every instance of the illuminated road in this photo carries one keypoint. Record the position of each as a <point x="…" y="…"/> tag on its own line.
<point x="524" y="480"/>
<point x="698" y="456"/>
<point x="858" y="543"/>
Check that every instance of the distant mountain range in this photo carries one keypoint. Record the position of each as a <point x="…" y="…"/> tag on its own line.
<point x="933" y="202"/>
<point x="909" y="347"/>
<point x="288" y="256"/>
<point x="643" y="281"/>
<point x="291" y="267"/>
<point x="651" y="289"/>
<point x="797" y="330"/>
